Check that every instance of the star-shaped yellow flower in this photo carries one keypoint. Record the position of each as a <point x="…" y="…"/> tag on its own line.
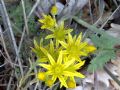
<point x="59" y="32"/>
<point x="48" y="22"/>
<point x="58" y="69"/>
<point x="75" y="47"/>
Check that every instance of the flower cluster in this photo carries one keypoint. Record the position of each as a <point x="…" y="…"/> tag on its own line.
<point x="61" y="58"/>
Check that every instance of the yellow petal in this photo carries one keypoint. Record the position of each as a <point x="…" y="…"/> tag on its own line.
<point x="68" y="73"/>
<point x="50" y="36"/>
<point x="43" y="27"/>
<point x="79" y="75"/>
<point x="70" y="40"/>
<point x="65" y="52"/>
<point x="78" y="40"/>
<point x="63" y="82"/>
<point x="44" y="50"/>
<point x="48" y="67"/>
<point x="41" y="20"/>
<point x="83" y="44"/>
<point x="52" y="61"/>
<point x="59" y="61"/>
<point x="49" y="73"/>
<point x="51" y="46"/>
<point x="72" y="78"/>
<point x="36" y="44"/>
<point x="90" y="48"/>
<point x="67" y="64"/>
<point x="63" y="44"/>
<point x="42" y="60"/>
<point x="54" y="78"/>
<point x="77" y="66"/>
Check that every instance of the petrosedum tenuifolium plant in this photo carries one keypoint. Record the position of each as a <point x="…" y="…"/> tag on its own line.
<point x="61" y="59"/>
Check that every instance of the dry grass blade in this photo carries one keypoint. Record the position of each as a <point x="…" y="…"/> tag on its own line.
<point x="4" y="46"/>
<point x="25" y="17"/>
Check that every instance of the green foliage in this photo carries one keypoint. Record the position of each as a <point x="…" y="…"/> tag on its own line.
<point x="105" y="44"/>
<point x="16" y="16"/>
<point x="101" y="58"/>
<point x="104" y="41"/>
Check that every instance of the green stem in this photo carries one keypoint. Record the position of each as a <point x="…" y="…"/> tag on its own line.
<point x="91" y="27"/>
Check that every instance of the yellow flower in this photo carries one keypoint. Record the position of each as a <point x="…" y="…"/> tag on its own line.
<point x="58" y="69"/>
<point x="41" y="76"/>
<point x="48" y="22"/>
<point x="59" y="32"/>
<point x="54" y="10"/>
<point x="75" y="47"/>
<point x="40" y="55"/>
<point x="71" y="84"/>
<point x="49" y="82"/>
<point x="52" y="49"/>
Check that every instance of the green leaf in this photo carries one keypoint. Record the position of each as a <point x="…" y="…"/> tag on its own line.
<point x="104" y="42"/>
<point x="101" y="59"/>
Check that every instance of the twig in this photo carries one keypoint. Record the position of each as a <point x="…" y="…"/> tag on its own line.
<point x="112" y="76"/>
<point x="10" y="80"/>
<point x="90" y="11"/>
<point x="110" y="17"/>
<point x="25" y="17"/>
<point x="4" y="46"/>
<point x="33" y="9"/>
<point x="12" y="35"/>
<point x="3" y="65"/>
<point x="23" y="33"/>
<point x="11" y="61"/>
<point x="95" y="81"/>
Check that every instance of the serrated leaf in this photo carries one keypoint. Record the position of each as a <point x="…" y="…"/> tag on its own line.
<point x="101" y="59"/>
<point x="104" y="41"/>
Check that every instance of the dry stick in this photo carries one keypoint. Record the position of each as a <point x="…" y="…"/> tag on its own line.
<point x="113" y="77"/>
<point x="10" y="80"/>
<point x="9" y="61"/>
<point x="95" y="81"/>
<point x="25" y="17"/>
<point x="23" y="33"/>
<point x="110" y="17"/>
<point x="12" y="36"/>
<point x="4" y="46"/>
<point x="33" y="8"/>
<point x="90" y="11"/>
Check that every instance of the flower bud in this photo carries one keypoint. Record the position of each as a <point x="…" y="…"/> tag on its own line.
<point x="41" y="76"/>
<point x="54" y="10"/>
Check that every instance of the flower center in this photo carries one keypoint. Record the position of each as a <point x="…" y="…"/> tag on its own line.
<point x="59" y="34"/>
<point x="73" y="49"/>
<point x="58" y="70"/>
